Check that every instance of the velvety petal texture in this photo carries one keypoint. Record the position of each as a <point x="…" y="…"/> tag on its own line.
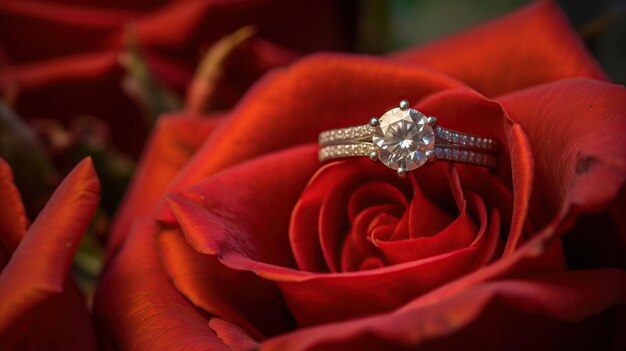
<point x="173" y="142"/>
<point x="577" y="128"/>
<point x="13" y="221"/>
<point x="39" y="305"/>
<point x="509" y="309"/>
<point x="248" y="242"/>
<point x="149" y="312"/>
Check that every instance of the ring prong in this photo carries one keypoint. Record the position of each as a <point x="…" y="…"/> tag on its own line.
<point x="374" y="122"/>
<point x="374" y="156"/>
<point x="431" y="156"/>
<point x="432" y="120"/>
<point x="404" y="105"/>
<point x="402" y="173"/>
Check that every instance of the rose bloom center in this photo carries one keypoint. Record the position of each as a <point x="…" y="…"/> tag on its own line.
<point x="402" y="139"/>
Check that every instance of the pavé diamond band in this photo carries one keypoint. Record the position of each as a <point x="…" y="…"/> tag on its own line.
<point x="404" y="139"/>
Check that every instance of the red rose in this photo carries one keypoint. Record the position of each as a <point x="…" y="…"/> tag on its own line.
<point x="40" y="306"/>
<point x="62" y="60"/>
<point x="233" y="236"/>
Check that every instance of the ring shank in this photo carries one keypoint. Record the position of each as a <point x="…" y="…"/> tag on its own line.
<point x="449" y="145"/>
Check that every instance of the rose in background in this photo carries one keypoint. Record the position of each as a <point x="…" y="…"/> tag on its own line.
<point x="62" y="59"/>
<point x="41" y="307"/>
<point x="233" y="236"/>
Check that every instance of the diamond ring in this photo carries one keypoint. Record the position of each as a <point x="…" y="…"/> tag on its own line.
<point x="404" y="139"/>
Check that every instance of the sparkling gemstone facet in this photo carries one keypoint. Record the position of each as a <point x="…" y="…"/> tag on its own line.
<point x="402" y="139"/>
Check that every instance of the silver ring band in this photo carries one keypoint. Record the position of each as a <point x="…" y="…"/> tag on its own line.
<point x="413" y="131"/>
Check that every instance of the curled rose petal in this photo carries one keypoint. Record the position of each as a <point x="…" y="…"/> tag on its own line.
<point x="39" y="265"/>
<point x="61" y="321"/>
<point x="232" y="335"/>
<point x="13" y="221"/>
<point x="173" y="142"/>
<point x="489" y="118"/>
<point x="581" y="169"/>
<point x="251" y="303"/>
<point x="39" y="305"/>
<point x="534" y="303"/>
<point x="149" y="312"/>
<point x="582" y="165"/>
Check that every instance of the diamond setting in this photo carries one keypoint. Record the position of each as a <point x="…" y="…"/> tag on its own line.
<point x="402" y="139"/>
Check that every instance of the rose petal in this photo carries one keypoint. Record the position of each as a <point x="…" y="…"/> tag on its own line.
<point x="306" y="222"/>
<point x="232" y="335"/>
<point x="371" y="263"/>
<point x="373" y="193"/>
<point x="357" y="246"/>
<point x="174" y="141"/>
<point x="38" y="267"/>
<point x="149" y="313"/>
<point x="420" y="205"/>
<point x="582" y="167"/>
<point x="36" y="75"/>
<point x="323" y="298"/>
<point x="13" y="219"/>
<point x="332" y="226"/>
<point x="332" y="217"/>
<point x="460" y="233"/>
<point x="253" y="304"/>
<point x="251" y="208"/>
<point x="584" y="163"/>
<point x="531" y="46"/>
<point x="382" y="226"/>
<point x="565" y="296"/>
<point x="491" y="190"/>
<point x="60" y="322"/>
<point x="490" y="119"/>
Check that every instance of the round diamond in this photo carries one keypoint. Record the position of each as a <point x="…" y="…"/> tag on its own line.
<point x="402" y="139"/>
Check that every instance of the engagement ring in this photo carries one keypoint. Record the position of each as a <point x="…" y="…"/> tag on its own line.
<point x="404" y="139"/>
